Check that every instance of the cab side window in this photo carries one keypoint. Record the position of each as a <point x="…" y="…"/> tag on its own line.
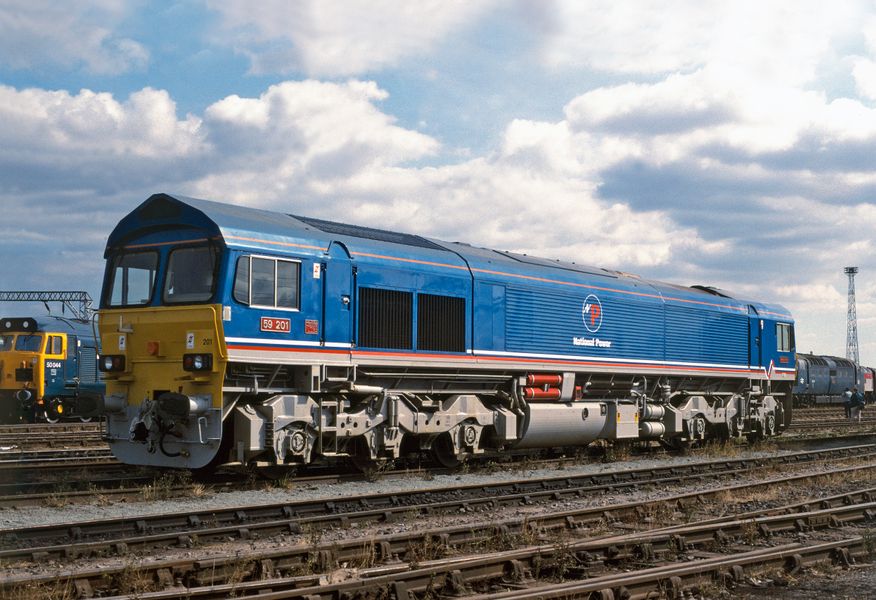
<point x="55" y="345"/>
<point x="268" y="282"/>
<point x="784" y="337"/>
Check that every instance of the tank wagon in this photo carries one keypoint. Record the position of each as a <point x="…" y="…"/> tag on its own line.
<point x="47" y="366"/>
<point x="241" y="335"/>
<point x="822" y="379"/>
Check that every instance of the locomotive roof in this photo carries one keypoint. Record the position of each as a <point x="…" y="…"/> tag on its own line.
<point x="251" y="228"/>
<point x="234" y="224"/>
<point x="45" y="324"/>
<point x="826" y="360"/>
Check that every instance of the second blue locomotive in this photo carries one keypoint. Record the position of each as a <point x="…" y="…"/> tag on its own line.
<point x="822" y="379"/>
<point x="48" y="367"/>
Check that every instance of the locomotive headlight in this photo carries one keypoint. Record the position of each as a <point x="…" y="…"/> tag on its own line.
<point x="112" y="362"/>
<point x="197" y="362"/>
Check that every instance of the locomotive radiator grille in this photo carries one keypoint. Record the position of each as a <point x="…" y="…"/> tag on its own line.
<point x="440" y="323"/>
<point x="385" y="319"/>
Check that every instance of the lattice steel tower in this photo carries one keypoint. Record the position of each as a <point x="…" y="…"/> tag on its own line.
<point x="852" y="319"/>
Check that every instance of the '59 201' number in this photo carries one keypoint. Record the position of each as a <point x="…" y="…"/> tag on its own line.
<point x="278" y="325"/>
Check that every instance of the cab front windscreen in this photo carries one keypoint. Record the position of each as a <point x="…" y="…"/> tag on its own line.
<point x="29" y="342"/>
<point x="6" y="342"/>
<point x="132" y="278"/>
<point x="183" y="275"/>
<point x="191" y="275"/>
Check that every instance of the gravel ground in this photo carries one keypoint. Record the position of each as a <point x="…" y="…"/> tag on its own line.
<point x="13" y="518"/>
<point x="856" y="583"/>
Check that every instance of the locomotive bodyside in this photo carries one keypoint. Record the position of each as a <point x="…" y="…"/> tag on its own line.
<point x="46" y="366"/>
<point x="243" y="335"/>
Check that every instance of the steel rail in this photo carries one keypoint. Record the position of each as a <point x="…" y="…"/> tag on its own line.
<point x="674" y="578"/>
<point x="837" y="424"/>
<point x="34" y="428"/>
<point x="28" y="441"/>
<point x="68" y="539"/>
<point x="216" y="570"/>
<point x="454" y="574"/>
<point x="62" y="464"/>
<point x="24" y="492"/>
<point x="60" y="453"/>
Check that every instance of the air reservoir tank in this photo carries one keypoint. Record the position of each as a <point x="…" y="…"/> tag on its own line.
<point x="552" y="424"/>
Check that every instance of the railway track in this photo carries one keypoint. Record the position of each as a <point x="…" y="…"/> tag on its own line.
<point x="49" y="428"/>
<point x="119" y="536"/>
<point x="32" y="436"/>
<point x="114" y="481"/>
<point x="823" y="410"/>
<point x="69" y="481"/>
<point x="36" y="458"/>
<point x="404" y="561"/>
<point x="831" y="424"/>
<point x="22" y="441"/>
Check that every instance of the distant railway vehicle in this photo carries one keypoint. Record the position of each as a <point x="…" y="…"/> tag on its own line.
<point x="822" y="379"/>
<point x="235" y="334"/>
<point x="47" y="365"/>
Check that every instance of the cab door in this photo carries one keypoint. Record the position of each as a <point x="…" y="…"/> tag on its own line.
<point x="71" y="367"/>
<point x="54" y="364"/>
<point x="337" y="297"/>
<point x="755" y="335"/>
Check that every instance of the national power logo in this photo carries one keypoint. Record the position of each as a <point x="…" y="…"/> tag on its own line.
<point x="592" y="313"/>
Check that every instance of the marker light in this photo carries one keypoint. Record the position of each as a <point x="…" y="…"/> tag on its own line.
<point x="197" y="362"/>
<point x="112" y="362"/>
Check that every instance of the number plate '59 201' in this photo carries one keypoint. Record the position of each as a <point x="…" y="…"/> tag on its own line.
<point x="272" y="324"/>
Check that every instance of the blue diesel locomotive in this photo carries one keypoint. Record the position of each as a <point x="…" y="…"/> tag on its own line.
<point x="822" y="379"/>
<point x="239" y="335"/>
<point x="48" y="366"/>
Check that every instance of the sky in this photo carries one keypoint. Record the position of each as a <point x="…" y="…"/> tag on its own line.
<point x="730" y="144"/>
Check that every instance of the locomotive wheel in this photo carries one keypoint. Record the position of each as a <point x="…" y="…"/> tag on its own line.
<point x="755" y="436"/>
<point x="698" y="428"/>
<point x="361" y="458"/>
<point x="771" y="424"/>
<point x="676" y="444"/>
<point x="443" y="452"/>
<point x="54" y="410"/>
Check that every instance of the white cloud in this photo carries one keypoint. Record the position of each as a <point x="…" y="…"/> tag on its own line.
<point x="339" y="37"/>
<point x="91" y="127"/>
<point x="324" y="149"/>
<point x="35" y="33"/>
<point x="763" y="41"/>
<point x="864" y="73"/>
<point x="298" y="137"/>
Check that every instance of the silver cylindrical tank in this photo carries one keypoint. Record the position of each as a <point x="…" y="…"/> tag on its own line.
<point x="653" y="412"/>
<point x="562" y="424"/>
<point x="651" y="429"/>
